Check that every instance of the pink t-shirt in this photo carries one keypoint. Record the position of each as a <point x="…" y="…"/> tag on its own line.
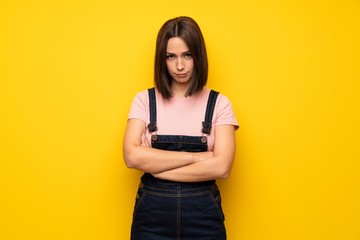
<point x="183" y="116"/>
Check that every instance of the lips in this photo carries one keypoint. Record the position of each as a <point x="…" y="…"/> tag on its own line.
<point x="181" y="75"/>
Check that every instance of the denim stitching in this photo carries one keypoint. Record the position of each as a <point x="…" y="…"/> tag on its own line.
<point x="178" y="211"/>
<point x="138" y="203"/>
<point x="177" y="195"/>
<point x="218" y="208"/>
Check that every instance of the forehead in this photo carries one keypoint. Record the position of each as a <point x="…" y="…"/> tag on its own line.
<point x="175" y="45"/>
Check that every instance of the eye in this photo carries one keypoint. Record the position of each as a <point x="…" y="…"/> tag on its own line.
<point x="170" y="56"/>
<point x="188" y="55"/>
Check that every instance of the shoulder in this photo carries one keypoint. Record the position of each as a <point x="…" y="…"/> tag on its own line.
<point x="142" y="97"/>
<point x="140" y="102"/>
<point x="224" y="112"/>
<point x="140" y="105"/>
<point x="223" y="103"/>
<point x="221" y="100"/>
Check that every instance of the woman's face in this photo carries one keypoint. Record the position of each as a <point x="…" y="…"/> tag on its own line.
<point x="179" y="61"/>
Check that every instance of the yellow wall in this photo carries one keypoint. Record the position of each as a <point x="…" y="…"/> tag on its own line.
<point x="69" y="70"/>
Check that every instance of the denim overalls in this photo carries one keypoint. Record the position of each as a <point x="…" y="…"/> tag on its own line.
<point x="168" y="210"/>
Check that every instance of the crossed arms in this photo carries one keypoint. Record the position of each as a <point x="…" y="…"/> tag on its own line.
<point x="179" y="166"/>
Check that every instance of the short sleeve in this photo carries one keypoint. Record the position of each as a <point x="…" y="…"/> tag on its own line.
<point x="139" y="106"/>
<point x="224" y="113"/>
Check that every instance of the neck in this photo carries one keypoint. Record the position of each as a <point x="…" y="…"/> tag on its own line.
<point x="179" y="90"/>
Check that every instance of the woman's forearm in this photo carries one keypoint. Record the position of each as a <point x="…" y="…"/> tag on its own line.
<point x="212" y="168"/>
<point x="154" y="160"/>
<point x="218" y="166"/>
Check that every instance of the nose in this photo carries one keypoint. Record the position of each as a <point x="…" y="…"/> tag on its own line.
<point x="180" y="65"/>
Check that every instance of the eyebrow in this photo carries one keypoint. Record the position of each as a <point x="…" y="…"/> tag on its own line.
<point x="169" y="53"/>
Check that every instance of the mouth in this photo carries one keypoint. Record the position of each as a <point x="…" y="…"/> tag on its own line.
<point x="181" y="75"/>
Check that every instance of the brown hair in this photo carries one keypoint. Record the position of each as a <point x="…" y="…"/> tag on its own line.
<point x="189" y="31"/>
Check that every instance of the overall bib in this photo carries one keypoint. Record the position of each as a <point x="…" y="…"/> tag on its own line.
<point x="169" y="210"/>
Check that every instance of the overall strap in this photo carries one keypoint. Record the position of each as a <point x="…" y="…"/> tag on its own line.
<point x="152" y="106"/>
<point x="209" y="112"/>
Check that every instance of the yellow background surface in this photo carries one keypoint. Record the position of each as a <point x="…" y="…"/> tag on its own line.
<point x="69" y="71"/>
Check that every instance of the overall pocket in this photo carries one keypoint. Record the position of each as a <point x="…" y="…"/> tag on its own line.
<point x="138" y="200"/>
<point x="216" y="199"/>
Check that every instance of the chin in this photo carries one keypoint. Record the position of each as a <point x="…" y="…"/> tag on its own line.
<point x="183" y="81"/>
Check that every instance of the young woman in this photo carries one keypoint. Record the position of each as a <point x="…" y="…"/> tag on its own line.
<point x="181" y="135"/>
